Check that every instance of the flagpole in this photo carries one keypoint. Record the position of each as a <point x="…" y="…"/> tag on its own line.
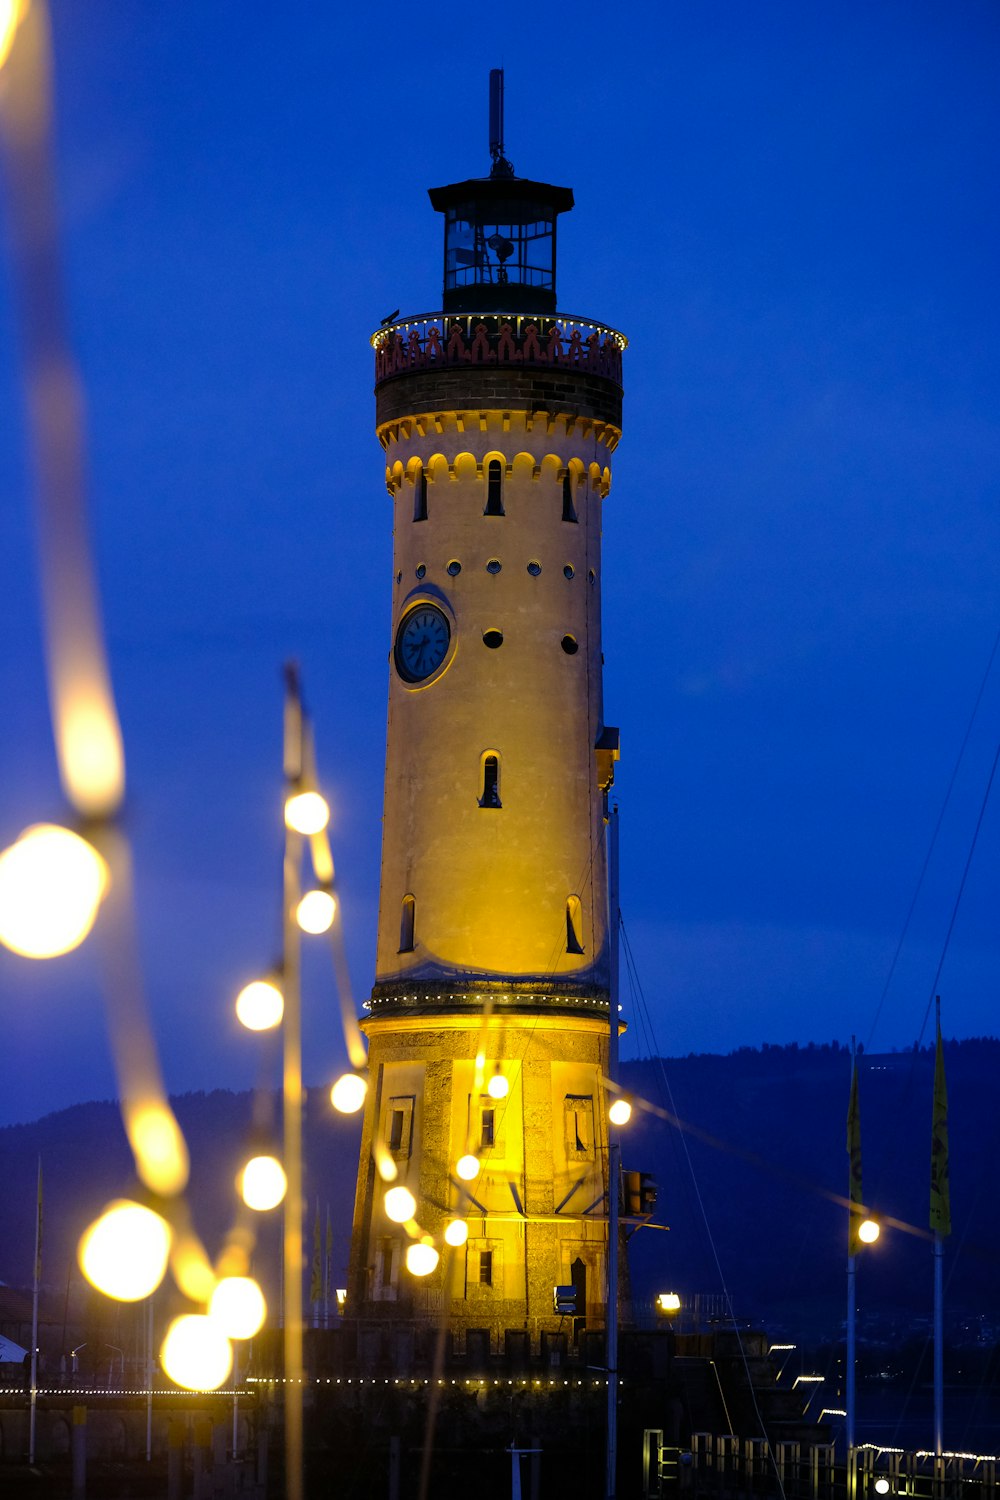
<point x="34" y="1318"/>
<point x="940" y="1222"/>
<point x="854" y="1190"/>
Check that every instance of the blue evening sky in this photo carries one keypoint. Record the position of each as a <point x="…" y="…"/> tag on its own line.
<point x="792" y="212"/>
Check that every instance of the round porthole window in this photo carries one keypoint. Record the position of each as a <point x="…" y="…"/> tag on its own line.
<point x="569" y="645"/>
<point x="494" y="565"/>
<point x="493" y="639"/>
<point x="534" y="568"/>
<point x="421" y="570"/>
<point x="568" y="570"/>
<point x="399" y="576"/>
<point x="454" y="567"/>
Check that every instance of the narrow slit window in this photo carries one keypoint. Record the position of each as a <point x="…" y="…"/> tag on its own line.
<point x="420" y="497"/>
<point x="569" y="509"/>
<point x="396" y="1130"/>
<point x="574" y="928"/>
<point x="488" y="1133"/>
<point x="406" y="925"/>
<point x="486" y="1268"/>
<point x="490" y="793"/>
<point x="494" y="488"/>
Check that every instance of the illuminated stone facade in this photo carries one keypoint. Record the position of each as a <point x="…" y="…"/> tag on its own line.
<point x="492" y="958"/>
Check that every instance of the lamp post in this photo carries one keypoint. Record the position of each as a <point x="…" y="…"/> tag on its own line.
<point x="614" y="1162"/>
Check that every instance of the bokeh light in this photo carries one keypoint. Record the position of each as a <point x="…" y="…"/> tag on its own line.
<point x="421" y="1258"/>
<point x="196" y="1353"/>
<point x="400" y="1205"/>
<point x="348" y="1093"/>
<point x="307" y="813"/>
<point x="51" y="884"/>
<point x="315" y="912"/>
<point x="620" y="1112"/>
<point x="467" y="1167"/>
<point x="124" y="1252"/>
<point x="498" y="1086"/>
<point x="263" y="1183"/>
<point x="161" y="1154"/>
<point x="456" y="1232"/>
<point x="10" y="15"/>
<point x="260" y="1005"/>
<point x="868" y="1231"/>
<point x="238" y="1307"/>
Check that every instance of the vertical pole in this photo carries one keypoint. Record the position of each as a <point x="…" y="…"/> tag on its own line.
<point x="149" y="1381"/>
<point x="614" y="1164"/>
<point x="292" y="1105"/>
<point x="938" y="1345"/>
<point x="79" y="1441"/>
<point x="849" y="1353"/>
<point x="34" y="1319"/>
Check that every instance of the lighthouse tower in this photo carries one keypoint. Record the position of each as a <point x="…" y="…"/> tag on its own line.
<point x="488" y="1021"/>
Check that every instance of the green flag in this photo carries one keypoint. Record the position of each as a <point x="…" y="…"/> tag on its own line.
<point x="854" y="1170"/>
<point x="940" y="1187"/>
<point x="316" y="1280"/>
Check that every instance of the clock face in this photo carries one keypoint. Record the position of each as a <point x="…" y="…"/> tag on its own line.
<point x="421" y="642"/>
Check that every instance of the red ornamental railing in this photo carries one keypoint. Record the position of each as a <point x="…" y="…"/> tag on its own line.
<point x="439" y="340"/>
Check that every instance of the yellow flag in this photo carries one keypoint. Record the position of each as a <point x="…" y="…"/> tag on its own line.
<point x="316" y="1284"/>
<point x="854" y="1170"/>
<point x="940" y="1186"/>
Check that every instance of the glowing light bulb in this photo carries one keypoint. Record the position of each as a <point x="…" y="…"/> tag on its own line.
<point x="196" y="1353"/>
<point x="668" y="1302"/>
<point x="399" y="1204"/>
<point x="124" y="1252"/>
<point x="307" y="812"/>
<point x="263" y="1183"/>
<point x="260" y="1005"/>
<point x="51" y="884"/>
<point x="467" y="1167"/>
<point x="10" y="15"/>
<point x="620" y="1112"/>
<point x="498" y="1086"/>
<point x="881" y="1486"/>
<point x="868" y="1231"/>
<point x="456" y="1233"/>
<point x="421" y="1259"/>
<point x="348" y="1093"/>
<point x="238" y="1307"/>
<point x="315" y="912"/>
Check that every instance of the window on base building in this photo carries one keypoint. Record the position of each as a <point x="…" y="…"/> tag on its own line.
<point x="486" y="1268"/>
<point x="579" y="1125"/>
<point x="488" y="1120"/>
<point x="398" y="1128"/>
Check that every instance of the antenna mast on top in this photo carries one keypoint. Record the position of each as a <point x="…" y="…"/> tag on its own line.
<point x="501" y="166"/>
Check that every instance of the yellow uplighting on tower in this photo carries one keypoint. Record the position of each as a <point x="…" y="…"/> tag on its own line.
<point x="124" y="1252"/>
<point x="315" y="912"/>
<point x="620" y="1112"/>
<point x="263" y="1183"/>
<point x="456" y="1233"/>
<point x="260" y="1005"/>
<point x="467" y="1167"/>
<point x="51" y="885"/>
<point x="196" y="1353"/>
<point x="307" y="813"/>
<point x="421" y="1258"/>
<point x="348" y="1093"/>
<point x="400" y="1205"/>
<point x="238" y="1307"/>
